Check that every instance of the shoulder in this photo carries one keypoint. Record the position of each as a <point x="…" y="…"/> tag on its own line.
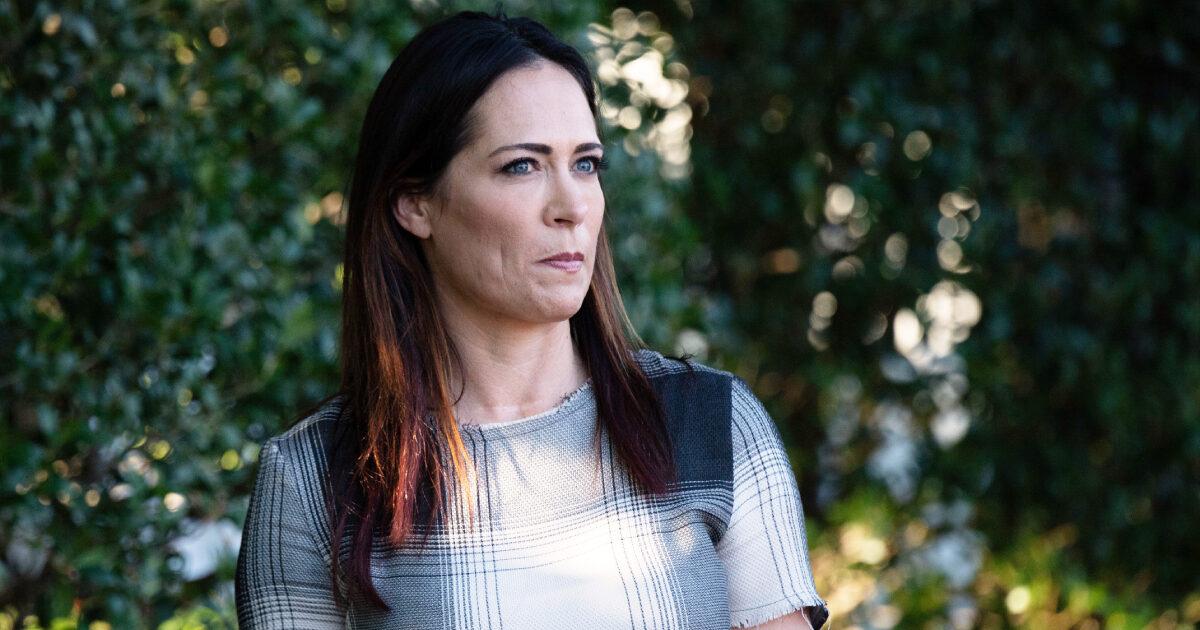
<point x="697" y="402"/>
<point x="302" y="449"/>
<point x="753" y="427"/>
<point x="706" y="405"/>
<point x="291" y="486"/>
<point x="685" y="381"/>
<point x="656" y="364"/>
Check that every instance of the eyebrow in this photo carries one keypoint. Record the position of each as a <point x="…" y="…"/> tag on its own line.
<point x="544" y="149"/>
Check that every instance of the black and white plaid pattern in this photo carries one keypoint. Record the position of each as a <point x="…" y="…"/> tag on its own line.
<point x="558" y="540"/>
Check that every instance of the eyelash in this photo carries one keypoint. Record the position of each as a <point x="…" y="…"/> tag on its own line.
<point x="599" y="164"/>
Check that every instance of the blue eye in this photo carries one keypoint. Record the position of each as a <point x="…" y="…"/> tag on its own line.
<point x="598" y="163"/>
<point x="518" y="167"/>
<point x="511" y="167"/>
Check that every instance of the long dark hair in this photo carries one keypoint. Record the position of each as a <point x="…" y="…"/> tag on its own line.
<point x="401" y="449"/>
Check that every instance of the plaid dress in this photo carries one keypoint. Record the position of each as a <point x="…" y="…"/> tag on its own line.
<point x="558" y="539"/>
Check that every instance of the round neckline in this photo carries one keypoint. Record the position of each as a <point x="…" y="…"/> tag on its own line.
<point x="535" y="421"/>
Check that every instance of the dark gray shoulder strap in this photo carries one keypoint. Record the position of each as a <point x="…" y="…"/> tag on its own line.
<point x="698" y="408"/>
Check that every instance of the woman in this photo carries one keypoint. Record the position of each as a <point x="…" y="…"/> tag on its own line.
<point x="500" y="454"/>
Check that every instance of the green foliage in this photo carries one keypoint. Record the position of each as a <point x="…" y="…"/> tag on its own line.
<point x="1066" y="132"/>
<point x="954" y="248"/>
<point x="169" y="279"/>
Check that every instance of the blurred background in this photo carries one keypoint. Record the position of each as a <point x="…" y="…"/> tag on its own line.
<point x="954" y="247"/>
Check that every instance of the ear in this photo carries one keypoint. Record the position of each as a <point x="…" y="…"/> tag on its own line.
<point x="413" y="214"/>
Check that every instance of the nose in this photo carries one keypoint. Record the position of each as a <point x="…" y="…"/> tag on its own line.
<point x="568" y="199"/>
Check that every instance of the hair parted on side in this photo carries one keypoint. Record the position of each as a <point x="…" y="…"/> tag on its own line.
<point x="396" y="451"/>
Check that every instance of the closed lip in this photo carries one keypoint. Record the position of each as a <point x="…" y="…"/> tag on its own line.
<point x="564" y="257"/>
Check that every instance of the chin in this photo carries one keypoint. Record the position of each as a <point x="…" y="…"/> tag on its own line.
<point x="558" y="308"/>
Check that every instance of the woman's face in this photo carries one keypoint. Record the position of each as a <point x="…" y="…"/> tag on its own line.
<point x="525" y="189"/>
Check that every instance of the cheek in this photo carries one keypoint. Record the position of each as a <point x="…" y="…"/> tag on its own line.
<point x="597" y="216"/>
<point x="485" y="239"/>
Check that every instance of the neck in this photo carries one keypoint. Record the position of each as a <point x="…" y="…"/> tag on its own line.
<point x="510" y="370"/>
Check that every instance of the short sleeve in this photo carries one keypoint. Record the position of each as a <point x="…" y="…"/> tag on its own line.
<point x="765" y="549"/>
<point x="283" y="579"/>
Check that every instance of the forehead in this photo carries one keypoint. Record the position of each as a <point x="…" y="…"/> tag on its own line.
<point x="542" y="103"/>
